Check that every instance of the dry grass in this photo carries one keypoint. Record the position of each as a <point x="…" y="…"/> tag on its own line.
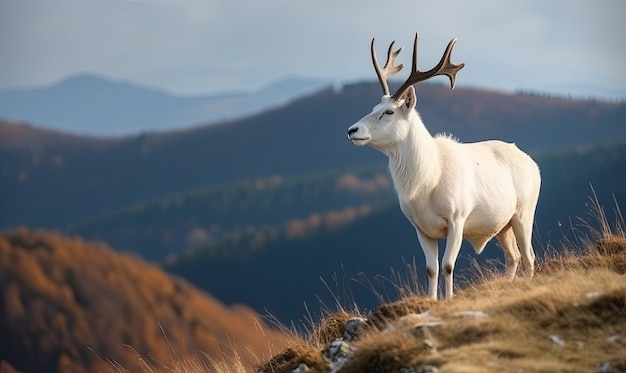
<point x="571" y="317"/>
<point x="512" y="332"/>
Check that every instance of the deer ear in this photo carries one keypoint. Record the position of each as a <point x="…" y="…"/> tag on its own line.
<point x="410" y="99"/>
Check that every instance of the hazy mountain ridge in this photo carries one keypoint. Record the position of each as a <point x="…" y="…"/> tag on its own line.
<point x="96" y="105"/>
<point x="307" y="135"/>
<point x="70" y="306"/>
<point x="19" y="136"/>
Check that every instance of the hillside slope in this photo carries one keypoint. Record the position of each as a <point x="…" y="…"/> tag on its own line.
<point x="71" y="306"/>
<point x="571" y="317"/>
<point x="55" y="185"/>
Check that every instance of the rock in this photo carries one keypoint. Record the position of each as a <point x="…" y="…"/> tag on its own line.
<point x="353" y="328"/>
<point x="431" y="324"/>
<point x="606" y="368"/>
<point x="594" y="294"/>
<point x="338" y="352"/>
<point x="424" y="315"/>
<point x="422" y="333"/>
<point x="430" y="346"/>
<point x="476" y="314"/>
<point x="338" y="349"/>
<point x="427" y="369"/>
<point x="302" y="368"/>
<point x="613" y="339"/>
<point x="557" y="340"/>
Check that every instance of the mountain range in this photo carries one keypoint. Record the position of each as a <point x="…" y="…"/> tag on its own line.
<point x="277" y="199"/>
<point x="52" y="179"/>
<point x="96" y="105"/>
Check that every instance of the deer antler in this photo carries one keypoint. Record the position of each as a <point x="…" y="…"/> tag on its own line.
<point x="389" y="69"/>
<point x="444" y="67"/>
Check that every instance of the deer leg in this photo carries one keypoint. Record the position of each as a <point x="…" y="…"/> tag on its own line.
<point x="453" y="246"/>
<point x="507" y="241"/>
<point x="431" y="253"/>
<point x="523" y="228"/>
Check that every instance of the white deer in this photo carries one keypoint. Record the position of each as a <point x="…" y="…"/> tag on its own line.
<point x="447" y="189"/>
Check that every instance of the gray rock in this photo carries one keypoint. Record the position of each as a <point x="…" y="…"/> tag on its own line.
<point x="606" y="368"/>
<point x="353" y="328"/>
<point x="302" y="368"/>
<point x="338" y="349"/>
<point x="422" y="369"/>
<point x="614" y="338"/>
<point x="556" y="340"/>
<point x="427" y="369"/>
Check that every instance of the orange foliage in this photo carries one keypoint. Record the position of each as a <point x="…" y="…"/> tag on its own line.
<point x="351" y="182"/>
<point x="73" y="305"/>
<point x="337" y="219"/>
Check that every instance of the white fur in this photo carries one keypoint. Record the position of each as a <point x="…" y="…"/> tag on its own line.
<point x="455" y="191"/>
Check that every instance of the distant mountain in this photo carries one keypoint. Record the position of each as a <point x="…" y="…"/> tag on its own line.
<point x="64" y="180"/>
<point x="71" y="306"/>
<point x="95" y="105"/>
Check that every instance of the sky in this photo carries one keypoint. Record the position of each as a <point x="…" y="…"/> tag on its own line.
<point x="191" y="47"/>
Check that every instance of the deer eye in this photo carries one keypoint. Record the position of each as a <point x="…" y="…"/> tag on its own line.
<point x="388" y="112"/>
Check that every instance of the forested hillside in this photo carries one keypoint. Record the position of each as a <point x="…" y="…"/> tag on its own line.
<point x="194" y="218"/>
<point x="381" y="239"/>
<point x="55" y="182"/>
<point x="204" y="216"/>
<point x="67" y="305"/>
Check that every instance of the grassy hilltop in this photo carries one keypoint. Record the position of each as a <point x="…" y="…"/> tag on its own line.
<point x="571" y="317"/>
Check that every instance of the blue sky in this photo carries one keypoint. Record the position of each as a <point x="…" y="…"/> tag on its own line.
<point x="203" y="46"/>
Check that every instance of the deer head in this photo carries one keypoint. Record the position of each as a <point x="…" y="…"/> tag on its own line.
<point x="390" y="121"/>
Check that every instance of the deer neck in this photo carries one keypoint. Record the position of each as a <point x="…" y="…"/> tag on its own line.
<point x="414" y="163"/>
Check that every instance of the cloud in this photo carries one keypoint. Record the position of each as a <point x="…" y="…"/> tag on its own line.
<point x="209" y="45"/>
